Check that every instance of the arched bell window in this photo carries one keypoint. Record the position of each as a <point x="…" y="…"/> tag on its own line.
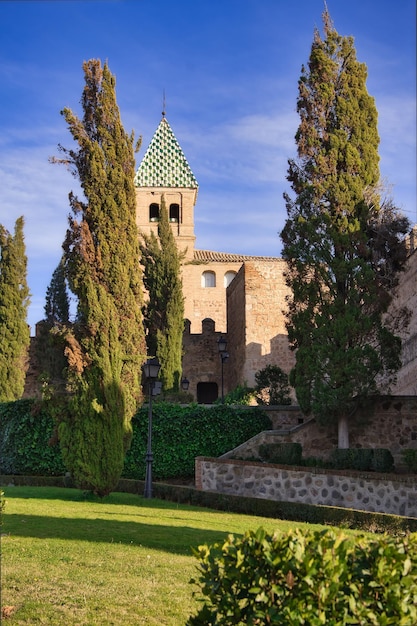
<point x="154" y="212"/>
<point x="174" y="213"/>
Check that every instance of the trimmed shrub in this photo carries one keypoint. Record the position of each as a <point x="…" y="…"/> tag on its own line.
<point x="286" y="453"/>
<point x="410" y="459"/>
<point x="307" y="577"/>
<point x="242" y="394"/>
<point x="363" y="459"/>
<point x="382" y="460"/>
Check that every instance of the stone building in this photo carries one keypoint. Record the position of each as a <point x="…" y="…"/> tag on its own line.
<point x="250" y="317"/>
<point x="237" y="297"/>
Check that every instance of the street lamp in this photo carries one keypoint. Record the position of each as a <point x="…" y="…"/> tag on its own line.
<point x="185" y="383"/>
<point x="222" y="345"/>
<point x="150" y="370"/>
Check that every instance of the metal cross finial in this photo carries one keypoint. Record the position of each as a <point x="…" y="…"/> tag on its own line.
<point x="163" y="105"/>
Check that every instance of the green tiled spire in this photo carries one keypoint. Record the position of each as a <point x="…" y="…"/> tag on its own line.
<point x="164" y="163"/>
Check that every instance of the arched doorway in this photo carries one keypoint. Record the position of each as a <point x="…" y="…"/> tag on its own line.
<point x="207" y="393"/>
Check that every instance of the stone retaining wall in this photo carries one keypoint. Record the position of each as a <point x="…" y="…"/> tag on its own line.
<point x="381" y="493"/>
<point x="391" y="424"/>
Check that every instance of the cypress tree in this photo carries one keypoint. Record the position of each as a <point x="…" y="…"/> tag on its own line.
<point x="51" y="333"/>
<point x="343" y="244"/>
<point x="105" y="346"/>
<point x="14" y="302"/>
<point x="164" y="311"/>
<point x="57" y="302"/>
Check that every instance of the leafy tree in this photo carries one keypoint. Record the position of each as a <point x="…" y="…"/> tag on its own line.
<point x="272" y="386"/>
<point x="164" y="311"/>
<point x="343" y="245"/>
<point x="105" y="346"/>
<point x="14" y="302"/>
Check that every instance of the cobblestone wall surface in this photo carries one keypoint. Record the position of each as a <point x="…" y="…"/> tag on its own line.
<point x="383" y="493"/>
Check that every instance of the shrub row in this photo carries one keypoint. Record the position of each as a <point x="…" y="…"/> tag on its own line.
<point x="28" y="443"/>
<point x="285" y="453"/>
<point x="410" y="459"/>
<point x="363" y="459"/>
<point x="307" y="577"/>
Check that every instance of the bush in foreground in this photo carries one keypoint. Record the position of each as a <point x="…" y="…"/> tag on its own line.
<point x="308" y="577"/>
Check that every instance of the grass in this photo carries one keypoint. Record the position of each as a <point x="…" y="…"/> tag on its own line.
<point x="68" y="558"/>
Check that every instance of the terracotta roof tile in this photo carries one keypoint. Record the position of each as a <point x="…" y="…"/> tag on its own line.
<point x="210" y="256"/>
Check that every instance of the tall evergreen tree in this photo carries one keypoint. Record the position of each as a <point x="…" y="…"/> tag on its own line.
<point x="106" y="345"/>
<point x="343" y="245"/>
<point x="51" y="333"/>
<point x="164" y="311"/>
<point x="57" y="302"/>
<point x="14" y="302"/>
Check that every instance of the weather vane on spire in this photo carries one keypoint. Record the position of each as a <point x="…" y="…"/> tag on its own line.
<point x="163" y="105"/>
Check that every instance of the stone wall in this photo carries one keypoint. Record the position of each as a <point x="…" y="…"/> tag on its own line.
<point x="406" y="295"/>
<point x="201" y="362"/>
<point x="206" y="302"/>
<point x="384" y="493"/>
<point x="391" y="424"/>
<point x="256" y="320"/>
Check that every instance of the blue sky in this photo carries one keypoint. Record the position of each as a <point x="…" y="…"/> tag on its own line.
<point x="229" y="69"/>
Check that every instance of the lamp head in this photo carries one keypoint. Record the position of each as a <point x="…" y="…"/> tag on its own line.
<point x="185" y="383"/>
<point x="222" y="344"/>
<point x="151" y="368"/>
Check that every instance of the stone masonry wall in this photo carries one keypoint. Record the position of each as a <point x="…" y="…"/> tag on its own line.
<point x="391" y="424"/>
<point x="406" y="295"/>
<point x="256" y="320"/>
<point x="206" y="302"/>
<point x="382" y="493"/>
<point x="201" y="362"/>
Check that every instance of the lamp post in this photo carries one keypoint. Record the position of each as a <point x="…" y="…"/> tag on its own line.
<point x="151" y="370"/>
<point x="185" y="383"/>
<point x="222" y="345"/>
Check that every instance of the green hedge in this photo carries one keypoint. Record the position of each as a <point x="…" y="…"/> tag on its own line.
<point x="180" y="434"/>
<point x="27" y="438"/>
<point x="28" y="443"/>
<point x="410" y="459"/>
<point x="363" y="459"/>
<point x="307" y="577"/>
<point x="285" y="453"/>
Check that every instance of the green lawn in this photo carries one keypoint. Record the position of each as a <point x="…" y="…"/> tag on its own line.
<point x="123" y="560"/>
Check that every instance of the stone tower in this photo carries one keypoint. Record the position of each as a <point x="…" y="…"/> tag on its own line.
<point x="164" y="171"/>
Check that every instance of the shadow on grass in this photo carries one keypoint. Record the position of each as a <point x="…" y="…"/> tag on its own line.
<point x="68" y="494"/>
<point x="167" y="538"/>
